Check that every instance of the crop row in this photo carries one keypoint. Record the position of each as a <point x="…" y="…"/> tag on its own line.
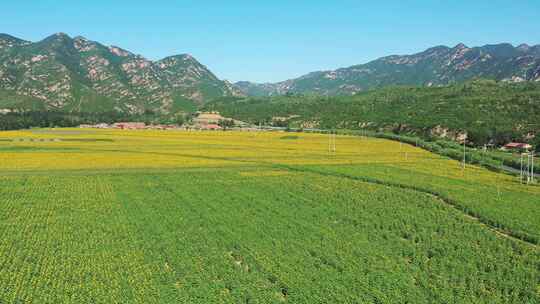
<point x="230" y="236"/>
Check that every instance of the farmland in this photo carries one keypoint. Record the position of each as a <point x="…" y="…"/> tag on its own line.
<point x="116" y="216"/>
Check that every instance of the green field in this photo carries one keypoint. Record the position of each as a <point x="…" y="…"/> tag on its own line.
<point x="111" y="216"/>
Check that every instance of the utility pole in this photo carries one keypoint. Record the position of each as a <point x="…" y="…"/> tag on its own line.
<point x="329" y="142"/>
<point x="334" y="141"/>
<point x="528" y="168"/>
<point x="532" y="166"/>
<point x="464" y="155"/>
<point x="498" y="181"/>
<point x="521" y="169"/>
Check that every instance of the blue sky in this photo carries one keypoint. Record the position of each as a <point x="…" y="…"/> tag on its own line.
<point x="277" y="40"/>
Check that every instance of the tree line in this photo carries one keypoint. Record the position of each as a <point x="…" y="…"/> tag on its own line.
<point x="50" y="119"/>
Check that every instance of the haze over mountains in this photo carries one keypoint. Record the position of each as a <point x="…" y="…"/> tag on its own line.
<point x="439" y="65"/>
<point x="77" y="74"/>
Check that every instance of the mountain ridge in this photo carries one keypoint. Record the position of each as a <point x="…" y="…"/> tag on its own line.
<point x="78" y="74"/>
<point x="438" y="65"/>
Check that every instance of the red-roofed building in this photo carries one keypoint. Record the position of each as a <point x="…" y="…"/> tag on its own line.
<point x="211" y="127"/>
<point x="517" y="146"/>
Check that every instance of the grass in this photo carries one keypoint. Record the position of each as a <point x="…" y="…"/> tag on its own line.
<point x="226" y="217"/>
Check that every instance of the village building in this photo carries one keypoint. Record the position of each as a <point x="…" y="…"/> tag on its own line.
<point x="102" y="126"/>
<point x="129" y="125"/>
<point x="207" y="118"/>
<point x="212" y="127"/>
<point x="162" y="127"/>
<point x="517" y="146"/>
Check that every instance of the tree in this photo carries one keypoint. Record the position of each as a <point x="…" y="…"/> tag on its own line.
<point x="502" y="137"/>
<point x="180" y="120"/>
<point x="282" y="123"/>
<point x="479" y="136"/>
<point x="536" y="143"/>
<point x="226" y="123"/>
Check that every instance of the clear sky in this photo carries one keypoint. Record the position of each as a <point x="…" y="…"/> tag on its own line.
<point x="267" y="41"/>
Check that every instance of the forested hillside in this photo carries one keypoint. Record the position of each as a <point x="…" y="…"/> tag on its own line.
<point x="486" y="111"/>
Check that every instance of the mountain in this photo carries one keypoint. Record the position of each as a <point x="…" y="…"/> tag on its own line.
<point x="77" y="74"/>
<point x="436" y="66"/>
<point x="260" y="89"/>
<point x="7" y="41"/>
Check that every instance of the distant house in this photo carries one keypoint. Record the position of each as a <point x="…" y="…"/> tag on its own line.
<point x="129" y="125"/>
<point x="517" y="146"/>
<point x="211" y="127"/>
<point x="207" y="118"/>
<point x="162" y="127"/>
<point x="102" y="126"/>
<point x="240" y="123"/>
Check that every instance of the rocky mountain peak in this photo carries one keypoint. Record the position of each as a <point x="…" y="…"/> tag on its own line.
<point x="83" y="44"/>
<point x="80" y="38"/>
<point x="119" y="51"/>
<point x="178" y="58"/>
<point x="58" y="37"/>
<point x="181" y="61"/>
<point x="8" y="41"/>
<point x="460" y="46"/>
<point x="7" y="37"/>
<point x="55" y="41"/>
<point x="186" y="57"/>
<point x="523" y="47"/>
